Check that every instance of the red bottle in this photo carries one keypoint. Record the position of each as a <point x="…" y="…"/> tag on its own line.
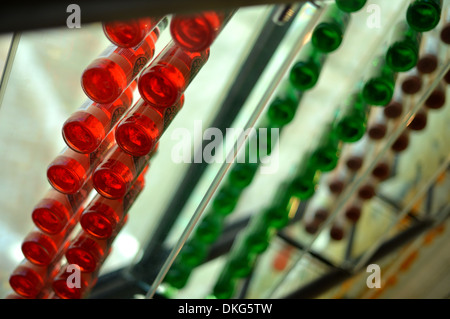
<point x="447" y="77"/>
<point x="141" y="129"/>
<point x="394" y="109"/>
<point x="377" y="125"/>
<point x="117" y="172"/>
<point x="29" y="280"/>
<point x="163" y="82"/>
<point x="339" y="227"/>
<point x="367" y="190"/>
<point x="339" y="178"/>
<point x="89" y="252"/>
<point x="130" y="33"/>
<point x="353" y="210"/>
<point x="107" y="77"/>
<point x="318" y="210"/>
<point x="402" y="142"/>
<point x="85" y="129"/>
<point x="42" y="249"/>
<point x="70" y="170"/>
<point x="419" y="120"/>
<point x="382" y="170"/>
<point x="196" y="32"/>
<point x="445" y="29"/>
<point x="411" y="82"/>
<point x="102" y="216"/>
<point x="54" y="211"/>
<point x="355" y="153"/>
<point x="437" y="97"/>
<point x="321" y="214"/>
<point x="311" y="226"/>
<point x="64" y="288"/>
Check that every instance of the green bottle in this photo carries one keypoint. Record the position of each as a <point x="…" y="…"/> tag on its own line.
<point x="284" y="106"/>
<point x="242" y="174"/>
<point x="178" y="275"/>
<point x="225" y="285"/>
<point x="379" y="87"/>
<point x="424" y="15"/>
<point x="350" y="5"/>
<point x="225" y="200"/>
<point x="403" y="52"/>
<point x="305" y="72"/>
<point x="326" y="155"/>
<point x="240" y="260"/>
<point x="304" y="183"/>
<point x="352" y="117"/>
<point x="209" y="228"/>
<point x="257" y="235"/>
<point x="328" y="34"/>
<point x="277" y="215"/>
<point x="193" y="253"/>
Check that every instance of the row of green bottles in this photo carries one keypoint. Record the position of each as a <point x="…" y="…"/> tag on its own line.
<point x="255" y="239"/>
<point x="349" y="125"/>
<point x="250" y="243"/>
<point x="351" y="120"/>
<point x="326" y="37"/>
<point x="401" y="56"/>
<point x="281" y="112"/>
<point x="403" y="50"/>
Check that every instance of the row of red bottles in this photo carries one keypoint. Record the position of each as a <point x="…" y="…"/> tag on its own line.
<point x="192" y="32"/>
<point x="110" y="141"/>
<point x="89" y="135"/>
<point x="110" y="81"/>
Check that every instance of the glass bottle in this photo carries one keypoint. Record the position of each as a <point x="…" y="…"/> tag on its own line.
<point x="129" y="33"/>
<point x="85" y="129"/>
<point x="328" y="34"/>
<point x="352" y="118"/>
<point x="350" y="5"/>
<point x="403" y="52"/>
<point x="197" y="32"/>
<point x="105" y="78"/>
<point x="139" y="131"/>
<point x="429" y="54"/>
<point x="304" y="183"/>
<point x="305" y="72"/>
<point x="70" y="170"/>
<point x="163" y="82"/>
<point x="283" y="107"/>
<point x="379" y="87"/>
<point x="326" y="154"/>
<point x="115" y="175"/>
<point x="424" y="15"/>
<point x="102" y="216"/>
